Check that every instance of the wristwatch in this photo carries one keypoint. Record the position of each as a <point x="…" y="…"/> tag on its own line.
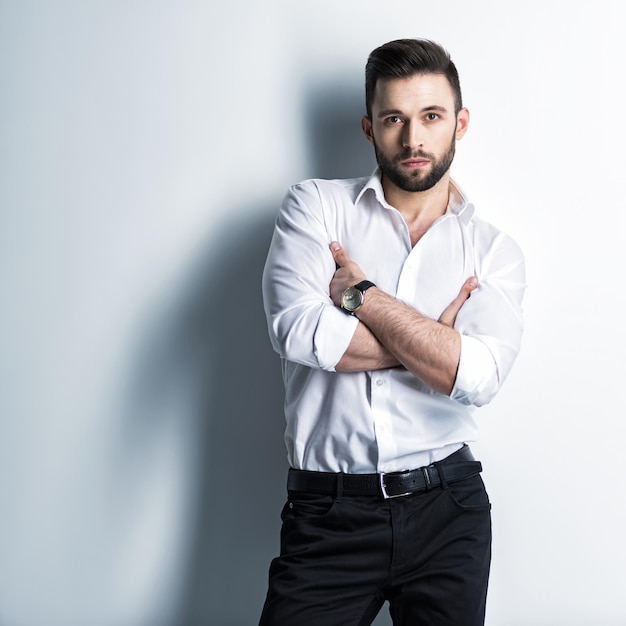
<point x="352" y="298"/>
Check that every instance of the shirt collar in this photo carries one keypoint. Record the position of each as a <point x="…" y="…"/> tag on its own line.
<point x="375" y="184"/>
<point x="458" y="203"/>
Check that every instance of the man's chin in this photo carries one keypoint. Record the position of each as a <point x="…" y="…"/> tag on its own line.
<point x="413" y="184"/>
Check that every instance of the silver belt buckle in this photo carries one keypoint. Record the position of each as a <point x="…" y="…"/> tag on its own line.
<point x="383" y="488"/>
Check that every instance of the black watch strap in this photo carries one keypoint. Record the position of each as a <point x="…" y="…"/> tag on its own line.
<point x="364" y="285"/>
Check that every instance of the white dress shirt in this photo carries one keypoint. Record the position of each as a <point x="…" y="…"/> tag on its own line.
<point x="384" y="420"/>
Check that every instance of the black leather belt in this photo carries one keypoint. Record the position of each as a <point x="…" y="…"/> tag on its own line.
<point x="458" y="466"/>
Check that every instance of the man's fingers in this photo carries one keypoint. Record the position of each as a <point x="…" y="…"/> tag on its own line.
<point x="448" y="317"/>
<point x="339" y="254"/>
<point x="468" y="286"/>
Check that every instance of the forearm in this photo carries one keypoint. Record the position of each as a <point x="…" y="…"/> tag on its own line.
<point x="428" y="349"/>
<point x="365" y="353"/>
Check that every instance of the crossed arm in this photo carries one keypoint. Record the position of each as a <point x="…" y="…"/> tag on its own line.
<point x="392" y="334"/>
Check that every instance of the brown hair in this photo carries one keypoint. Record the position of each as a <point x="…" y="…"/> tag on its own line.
<point x="403" y="58"/>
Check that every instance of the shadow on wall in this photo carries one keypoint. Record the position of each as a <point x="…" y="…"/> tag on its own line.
<point x="337" y="146"/>
<point x="238" y="391"/>
<point x="237" y="396"/>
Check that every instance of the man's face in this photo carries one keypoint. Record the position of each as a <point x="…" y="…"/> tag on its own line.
<point x="414" y="130"/>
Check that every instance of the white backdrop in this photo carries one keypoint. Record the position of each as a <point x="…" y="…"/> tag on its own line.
<point x="144" y="149"/>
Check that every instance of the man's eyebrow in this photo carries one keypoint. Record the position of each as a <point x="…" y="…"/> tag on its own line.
<point x="389" y="112"/>
<point x="433" y="107"/>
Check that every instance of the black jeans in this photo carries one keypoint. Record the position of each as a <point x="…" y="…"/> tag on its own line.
<point x="428" y="554"/>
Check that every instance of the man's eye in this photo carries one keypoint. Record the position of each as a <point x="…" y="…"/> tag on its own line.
<point x="394" y="119"/>
<point x="431" y="117"/>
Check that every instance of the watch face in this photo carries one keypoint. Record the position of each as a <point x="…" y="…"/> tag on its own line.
<point x="351" y="299"/>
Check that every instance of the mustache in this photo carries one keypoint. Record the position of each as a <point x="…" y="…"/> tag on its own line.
<point x="410" y="154"/>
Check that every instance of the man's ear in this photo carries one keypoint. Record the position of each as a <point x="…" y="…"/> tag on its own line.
<point x="462" y="122"/>
<point x="366" y="125"/>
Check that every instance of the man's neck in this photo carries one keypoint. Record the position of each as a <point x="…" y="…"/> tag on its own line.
<point x="418" y="205"/>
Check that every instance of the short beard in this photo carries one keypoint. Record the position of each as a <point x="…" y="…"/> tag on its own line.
<point x="414" y="181"/>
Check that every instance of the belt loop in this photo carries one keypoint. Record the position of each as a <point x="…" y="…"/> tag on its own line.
<point x="427" y="482"/>
<point x="339" y="491"/>
<point x="442" y="478"/>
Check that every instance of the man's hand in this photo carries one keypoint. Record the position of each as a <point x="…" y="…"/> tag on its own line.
<point x="348" y="273"/>
<point x="448" y="317"/>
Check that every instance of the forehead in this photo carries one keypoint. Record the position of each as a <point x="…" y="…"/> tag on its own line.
<point x="418" y="91"/>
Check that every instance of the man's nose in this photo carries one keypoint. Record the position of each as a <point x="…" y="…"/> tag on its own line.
<point x="412" y="136"/>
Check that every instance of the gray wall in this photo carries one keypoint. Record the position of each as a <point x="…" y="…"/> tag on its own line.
<point x="145" y="148"/>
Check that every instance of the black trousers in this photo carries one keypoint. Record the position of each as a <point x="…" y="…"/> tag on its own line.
<point x="342" y="557"/>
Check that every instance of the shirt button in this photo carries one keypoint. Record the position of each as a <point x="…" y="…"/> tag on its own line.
<point x="380" y="382"/>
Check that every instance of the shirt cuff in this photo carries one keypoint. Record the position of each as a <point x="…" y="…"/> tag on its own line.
<point x="333" y="336"/>
<point x="477" y="376"/>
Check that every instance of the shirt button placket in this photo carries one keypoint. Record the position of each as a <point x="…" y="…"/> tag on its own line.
<point x="381" y="412"/>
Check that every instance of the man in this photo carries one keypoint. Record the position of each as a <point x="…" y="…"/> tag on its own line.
<point x="396" y="311"/>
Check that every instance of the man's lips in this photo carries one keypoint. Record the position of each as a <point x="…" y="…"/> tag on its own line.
<point x="415" y="163"/>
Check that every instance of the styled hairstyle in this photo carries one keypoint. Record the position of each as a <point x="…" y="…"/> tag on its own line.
<point x="403" y="58"/>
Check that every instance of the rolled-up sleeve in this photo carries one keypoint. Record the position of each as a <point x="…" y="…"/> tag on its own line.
<point x="304" y="325"/>
<point x="491" y="322"/>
